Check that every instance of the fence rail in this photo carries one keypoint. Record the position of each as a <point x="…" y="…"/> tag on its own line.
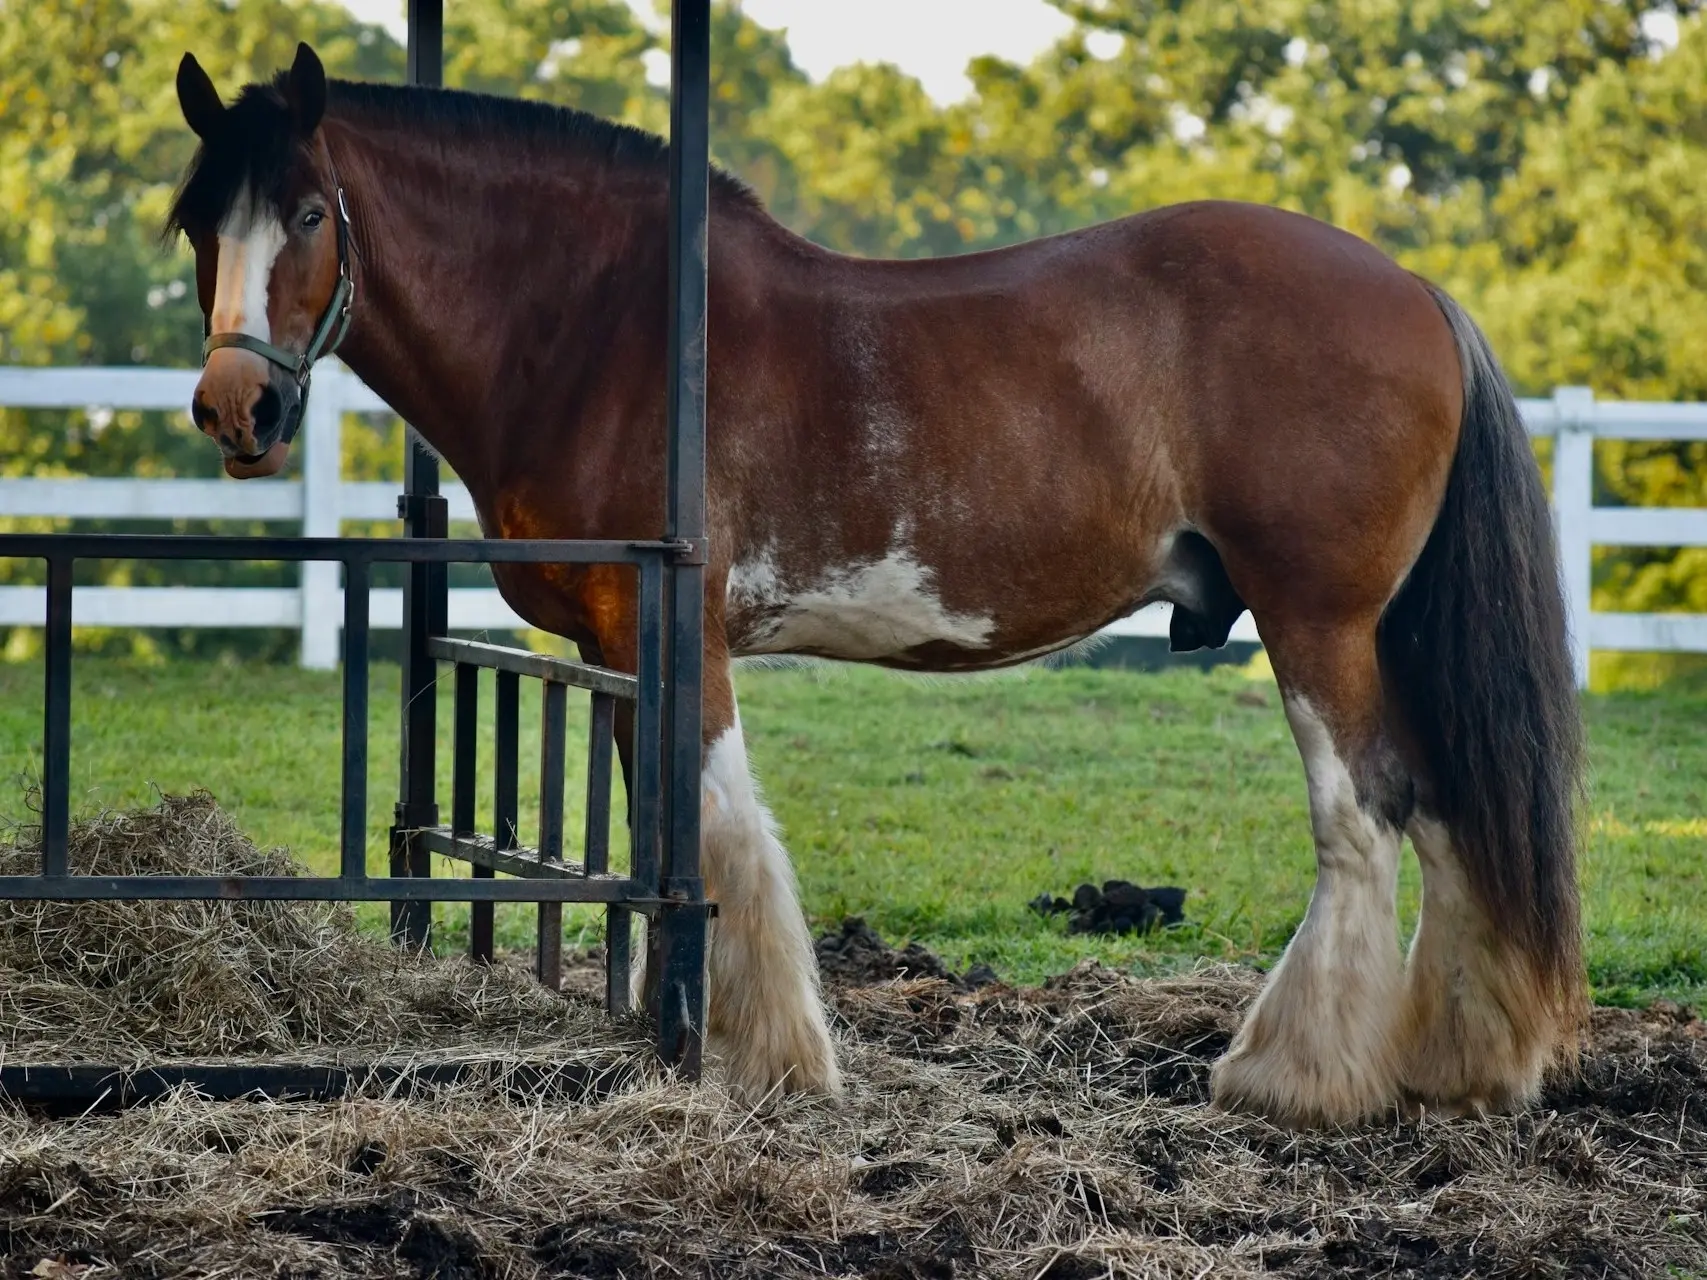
<point x="321" y="500"/>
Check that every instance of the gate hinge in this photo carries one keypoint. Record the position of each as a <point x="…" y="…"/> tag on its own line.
<point x="411" y="816"/>
<point x="690" y="550"/>
<point x="428" y="507"/>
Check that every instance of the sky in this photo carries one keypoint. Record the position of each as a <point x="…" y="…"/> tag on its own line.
<point x="931" y="39"/>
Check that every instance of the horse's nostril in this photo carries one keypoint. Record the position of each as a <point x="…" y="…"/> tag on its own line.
<point x="266" y="410"/>
<point x="203" y="414"/>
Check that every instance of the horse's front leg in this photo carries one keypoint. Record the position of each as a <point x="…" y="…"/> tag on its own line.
<point x="766" y="1017"/>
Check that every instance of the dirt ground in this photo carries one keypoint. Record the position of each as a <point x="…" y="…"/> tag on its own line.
<point x="1058" y="1132"/>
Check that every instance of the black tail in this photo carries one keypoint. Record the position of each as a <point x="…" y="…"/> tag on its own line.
<point x="1475" y="650"/>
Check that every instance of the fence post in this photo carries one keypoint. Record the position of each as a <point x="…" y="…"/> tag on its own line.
<point x="321" y="609"/>
<point x="1573" y="507"/>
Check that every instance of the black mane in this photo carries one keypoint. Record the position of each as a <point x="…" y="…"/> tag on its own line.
<point x="256" y="141"/>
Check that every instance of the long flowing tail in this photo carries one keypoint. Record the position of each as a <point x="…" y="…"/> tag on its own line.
<point x="1475" y="649"/>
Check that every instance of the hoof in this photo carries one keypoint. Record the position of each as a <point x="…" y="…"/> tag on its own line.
<point x="1470" y="1051"/>
<point x="1457" y="1094"/>
<point x="802" y="1062"/>
<point x="1297" y="1095"/>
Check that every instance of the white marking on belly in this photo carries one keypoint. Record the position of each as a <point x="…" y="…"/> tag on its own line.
<point x="249" y="242"/>
<point x="863" y="611"/>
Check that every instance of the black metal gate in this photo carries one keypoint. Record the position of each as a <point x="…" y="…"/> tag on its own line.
<point x="663" y="882"/>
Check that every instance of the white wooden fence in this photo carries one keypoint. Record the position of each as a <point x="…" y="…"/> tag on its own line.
<point x="321" y="499"/>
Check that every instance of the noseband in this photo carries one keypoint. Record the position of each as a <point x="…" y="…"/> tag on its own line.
<point x="334" y="321"/>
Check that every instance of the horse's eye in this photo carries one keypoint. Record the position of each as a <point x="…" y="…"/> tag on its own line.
<point x="313" y="218"/>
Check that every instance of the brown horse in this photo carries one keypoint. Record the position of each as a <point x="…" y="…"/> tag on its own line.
<point x="964" y="463"/>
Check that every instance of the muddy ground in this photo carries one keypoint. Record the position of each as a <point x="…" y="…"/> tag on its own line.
<point x="1060" y="1132"/>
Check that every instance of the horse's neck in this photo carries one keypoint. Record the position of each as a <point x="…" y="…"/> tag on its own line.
<point x="472" y="281"/>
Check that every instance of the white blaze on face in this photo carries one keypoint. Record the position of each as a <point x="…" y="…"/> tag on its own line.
<point x="249" y="242"/>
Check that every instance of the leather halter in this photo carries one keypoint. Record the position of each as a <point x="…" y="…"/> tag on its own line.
<point x="334" y="322"/>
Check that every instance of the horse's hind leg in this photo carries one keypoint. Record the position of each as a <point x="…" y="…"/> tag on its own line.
<point x="1476" y="1035"/>
<point x="766" y="1018"/>
<point x="1320" y="1043"/>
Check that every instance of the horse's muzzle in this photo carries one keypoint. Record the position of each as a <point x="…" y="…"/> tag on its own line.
<point x="248" y="466"/>
<point x="272" y="422"/>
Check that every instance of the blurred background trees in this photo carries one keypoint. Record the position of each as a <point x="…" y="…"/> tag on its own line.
<point x="1546" y="160"/>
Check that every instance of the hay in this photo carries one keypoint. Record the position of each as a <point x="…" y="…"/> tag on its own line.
<point x="121" y="982"/>
<point x="1060" y="1132"/>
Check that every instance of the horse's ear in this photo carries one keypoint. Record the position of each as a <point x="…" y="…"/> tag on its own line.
<point x="306" y="90"/>
<point x="197" y="97"/>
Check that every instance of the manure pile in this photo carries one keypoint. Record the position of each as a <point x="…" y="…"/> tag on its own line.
<point x="1059" y="1132"/>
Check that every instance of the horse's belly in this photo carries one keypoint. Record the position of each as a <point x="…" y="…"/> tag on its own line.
<point x="861" y="612"/>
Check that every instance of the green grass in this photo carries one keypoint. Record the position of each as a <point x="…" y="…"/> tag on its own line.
<point x="938" y="807"/>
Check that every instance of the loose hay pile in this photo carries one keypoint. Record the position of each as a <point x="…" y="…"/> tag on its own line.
<point x="1059" y="1132"/>
<point x="120" y="982"/>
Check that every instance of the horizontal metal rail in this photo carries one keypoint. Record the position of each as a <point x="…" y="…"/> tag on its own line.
<point x="535" y="888"/>
<point x="81" y="1087"/>
<point x="484" y="851"/>
<point x="524" y="662"/>
<point x="142" y="546"/>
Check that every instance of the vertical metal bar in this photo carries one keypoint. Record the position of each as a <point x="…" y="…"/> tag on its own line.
<point x="464" y="757"/>
<point x="424" y="591"/>
<point x="424" y="603"/>
<point x="56" y="724"/>
<point x="645" y="825"/>
<point x="680" y="956"/>
<point x="690" y="89"/>
<point x="507" y="737"/>
<point x="464" y="746"/>
<point x="600" y="739"/>
<point x="553" y="741"/>
<point x="645" y="812"/>
<point x="553" y="732"/>
<point x="619" y="957"/>
<point x="426" y="51"/>
<point x="352" y="861"/>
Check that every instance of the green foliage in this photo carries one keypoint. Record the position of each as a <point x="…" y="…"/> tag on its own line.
<point x="1544" y="159"/>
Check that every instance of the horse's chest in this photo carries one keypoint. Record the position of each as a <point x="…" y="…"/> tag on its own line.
<point x="860" y="610"/>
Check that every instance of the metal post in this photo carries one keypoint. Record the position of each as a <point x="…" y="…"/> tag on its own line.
<point x="506" y="789"/>
<point x="352" y="863"/>
<point x="601" y="739"/>
<point x="679" y="957"/>
<point x="425" y="602"/>
<point x="464" y="749"/>
<point x="320" y="519"/>
<point x="425" y="58"/>
<point x="645" y="785"/>
<point x="506" y="777"/>
<point x="56" y="726"/>
<point x="553" y="740"/>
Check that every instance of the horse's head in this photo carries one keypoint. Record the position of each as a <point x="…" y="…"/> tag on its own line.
<point x="262" y="207"/>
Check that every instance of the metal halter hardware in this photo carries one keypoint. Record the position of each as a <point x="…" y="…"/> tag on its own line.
<point x="335" y="317"/>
